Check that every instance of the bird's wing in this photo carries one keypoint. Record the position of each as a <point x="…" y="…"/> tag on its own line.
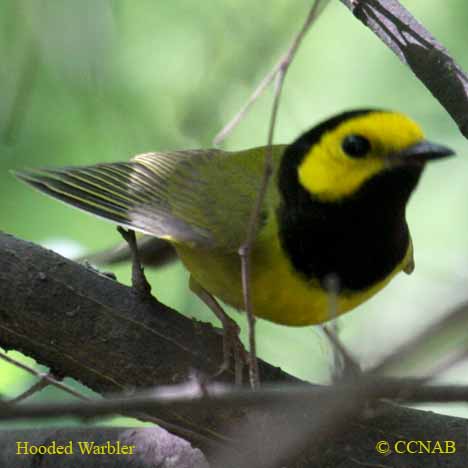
<point x="199" y="197"/>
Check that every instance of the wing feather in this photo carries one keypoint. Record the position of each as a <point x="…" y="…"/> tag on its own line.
<point x="201" y="197"/>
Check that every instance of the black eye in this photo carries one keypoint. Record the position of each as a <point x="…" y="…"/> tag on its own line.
<point x="356" y="146"/>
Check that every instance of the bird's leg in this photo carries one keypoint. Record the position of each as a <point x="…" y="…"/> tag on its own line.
<point x="344" y="366"/>
<point x="232" y="345"/>
<point x="139" y="281"/>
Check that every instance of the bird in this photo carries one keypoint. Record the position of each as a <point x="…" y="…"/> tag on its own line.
<point x="335" y="207"/>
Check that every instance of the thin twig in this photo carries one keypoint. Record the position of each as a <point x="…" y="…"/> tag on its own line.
<point x="449" y="362"/>
<point x="45" y="377"/>
<point x="234" y="122"/>
<point x="332" y="286"/>
<point x="345" y="365"/>
<point x="246" y="247"/>
<point x="48" y="379"/>
<point x="34" y="388"/>
<point x="304" y="396"/>
<point x="440" y="332"/>
<point x="267" y="80"/>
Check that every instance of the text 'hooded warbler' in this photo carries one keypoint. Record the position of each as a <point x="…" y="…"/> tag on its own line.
<point x="335" y="206"/>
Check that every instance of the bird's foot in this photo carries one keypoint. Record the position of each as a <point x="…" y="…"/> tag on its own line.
<point x="233" y="349"/>
<point x="232" y="345"/>
<point x="139" y="281"/>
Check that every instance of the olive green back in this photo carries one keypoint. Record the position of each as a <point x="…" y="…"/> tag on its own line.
<point x="198" y="197"/>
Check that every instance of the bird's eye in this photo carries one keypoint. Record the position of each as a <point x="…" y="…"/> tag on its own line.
<point x="356" y="146"/>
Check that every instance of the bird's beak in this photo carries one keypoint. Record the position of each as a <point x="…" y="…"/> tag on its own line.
<point x="419" y="154"/>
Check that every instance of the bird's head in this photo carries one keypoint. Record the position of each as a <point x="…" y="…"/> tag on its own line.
<point x="338" y="157"/>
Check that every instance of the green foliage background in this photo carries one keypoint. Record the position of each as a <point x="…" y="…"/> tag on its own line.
<point x="86" y="82"/>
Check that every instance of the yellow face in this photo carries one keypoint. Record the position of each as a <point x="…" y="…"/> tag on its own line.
<point x="354" y="152"/>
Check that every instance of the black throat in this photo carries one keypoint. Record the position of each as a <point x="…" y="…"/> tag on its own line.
<point x="361" y="239"/>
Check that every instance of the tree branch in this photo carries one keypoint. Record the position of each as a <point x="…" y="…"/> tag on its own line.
<point x="416" y="47"/>
<point x="84" y="325"/>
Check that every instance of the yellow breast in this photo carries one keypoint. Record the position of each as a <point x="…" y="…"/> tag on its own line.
<point x="279" y="294"/>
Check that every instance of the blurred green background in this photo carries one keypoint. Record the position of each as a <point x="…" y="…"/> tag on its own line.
<point x="86" y="82"/>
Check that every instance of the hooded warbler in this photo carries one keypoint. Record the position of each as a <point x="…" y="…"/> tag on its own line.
<point x="336" y="205"/>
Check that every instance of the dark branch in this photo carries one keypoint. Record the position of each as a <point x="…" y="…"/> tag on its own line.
<point x="416" y="47"/>
<point x="84" y="325"/>
<point x="215" y="397"/>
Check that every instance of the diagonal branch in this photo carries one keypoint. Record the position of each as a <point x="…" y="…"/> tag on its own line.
<point x="278" y="69"/>
<point x="44" y="380"/>
<point x="416" y="47"/>
<point x="87" y="326"/>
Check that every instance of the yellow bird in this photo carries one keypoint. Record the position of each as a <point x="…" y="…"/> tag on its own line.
<point x="336" y="205"/>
